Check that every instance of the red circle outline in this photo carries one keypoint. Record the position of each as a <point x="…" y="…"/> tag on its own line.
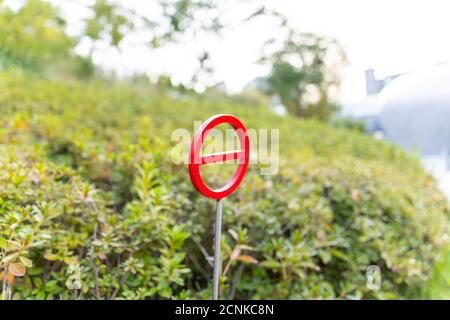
<point x="242" y="155"/>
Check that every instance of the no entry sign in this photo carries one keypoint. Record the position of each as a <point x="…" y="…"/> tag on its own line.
<point x="196" y="159"/>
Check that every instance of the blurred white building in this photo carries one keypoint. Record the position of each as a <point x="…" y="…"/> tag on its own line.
<point x="411" y="110"/>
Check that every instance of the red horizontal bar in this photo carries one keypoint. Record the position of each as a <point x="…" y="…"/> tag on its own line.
<point x="221" y="157"/>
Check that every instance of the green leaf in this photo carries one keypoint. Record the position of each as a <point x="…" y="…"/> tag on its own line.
<point x="50" y="256"/>
<point x="26" y="262"/>
<point x="35" y="271"/>
<point x="271" y="264"/>
<point x="70" y="260"/>
<point x="3" y="243"/>
<point x="339" y="254"/>
<point x="325" y="256"/>
<point x="10" y="257"/>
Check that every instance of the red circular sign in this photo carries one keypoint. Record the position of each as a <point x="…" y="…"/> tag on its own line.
<point x="196" y="160"/>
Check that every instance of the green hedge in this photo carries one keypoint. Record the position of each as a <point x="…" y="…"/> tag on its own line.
<point x="91" y="206"/>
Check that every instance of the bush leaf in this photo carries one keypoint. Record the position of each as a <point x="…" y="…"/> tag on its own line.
<point x="17" y="269"/>
<point x="3" y="243"/>
<point x="248" y="259"/>
<point x="26" y="262"/>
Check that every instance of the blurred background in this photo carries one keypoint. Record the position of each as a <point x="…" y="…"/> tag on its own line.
<point x="232" y="46"/>
<point x="359" y="90"/>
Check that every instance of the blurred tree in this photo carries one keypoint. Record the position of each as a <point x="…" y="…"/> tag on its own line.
<point x="112" y="22"/>
<point x="193" y="15"/>
<point x="32" y="35"/>
<point x="109" y="22"/>
<point x="305" y="73"/>
<point x="203" y="72"/>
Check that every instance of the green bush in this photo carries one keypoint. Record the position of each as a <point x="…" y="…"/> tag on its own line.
<point x="92" y="207"/>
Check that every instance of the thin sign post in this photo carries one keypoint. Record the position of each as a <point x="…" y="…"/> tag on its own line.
<point x="196" y="160"/>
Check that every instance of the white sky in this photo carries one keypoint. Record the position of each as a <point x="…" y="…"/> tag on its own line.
<point x="390" y="36"/>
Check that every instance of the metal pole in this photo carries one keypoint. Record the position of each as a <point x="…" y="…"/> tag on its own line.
<point x="215" y="293"/>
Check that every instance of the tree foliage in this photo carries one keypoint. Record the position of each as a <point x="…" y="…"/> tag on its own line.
<point x="305" y="73"/>
<point x="33" y="35"/>
<point x="112" y="22"/>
